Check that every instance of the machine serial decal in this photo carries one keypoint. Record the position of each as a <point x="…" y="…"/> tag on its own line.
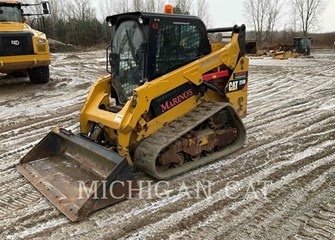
<point x="118" y="118"/>
<point x="240" y="75"/>
<point x="172" y="98"/>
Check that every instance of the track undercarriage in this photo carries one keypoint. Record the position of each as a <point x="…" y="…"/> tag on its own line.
<point x="207" y="133"/>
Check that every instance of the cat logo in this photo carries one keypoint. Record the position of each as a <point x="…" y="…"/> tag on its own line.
<point x="15" y="42"/>
<point x="233" y="86"/>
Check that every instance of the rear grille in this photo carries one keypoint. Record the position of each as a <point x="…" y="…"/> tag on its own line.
<point x="16" y="43"/>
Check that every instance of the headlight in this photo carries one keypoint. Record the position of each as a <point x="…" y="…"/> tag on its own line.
<point x="41" y="41"/>
<point x="140" y="20"/>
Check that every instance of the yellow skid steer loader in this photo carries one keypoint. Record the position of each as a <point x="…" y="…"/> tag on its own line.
<point x="173" y="101"/>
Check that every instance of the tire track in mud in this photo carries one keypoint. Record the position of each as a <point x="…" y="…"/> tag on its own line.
<point x="37" y="121"/>
<point x="15" y="191"/>
<point x="31" y="220"/>
<point x="257" y="213"/>
<point x="331" y="119"/>
<point x="285" y="205"/>
<point x="20" y="203"/>
<point x="37" y="128"/>
<point x="65" y="91"/>
<point x="17" y="198"/>
<point x="204" y="207"/>
<point x="26" y="141"/>
<point x="297" y="158"/>
<point x="167" y="207"/>
<point x="19" y="135"/>
<point x="321" y="224"/>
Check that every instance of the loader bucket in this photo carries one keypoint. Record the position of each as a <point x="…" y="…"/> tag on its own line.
<point x="77" y="175"/>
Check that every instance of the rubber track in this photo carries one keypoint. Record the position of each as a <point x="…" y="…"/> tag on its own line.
<point x="150" y="148"/>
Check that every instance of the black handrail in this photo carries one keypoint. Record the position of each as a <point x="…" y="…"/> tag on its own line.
<point x="235" y="29"/>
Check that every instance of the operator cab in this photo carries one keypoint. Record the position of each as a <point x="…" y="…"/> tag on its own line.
<point x="146" y="46"/>
<point x="302" y="45"/>
<point x="10" y="13"/>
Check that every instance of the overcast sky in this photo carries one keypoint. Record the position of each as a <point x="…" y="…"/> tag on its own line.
<point x="226" y="13"/>
<point x="230" y="12"/>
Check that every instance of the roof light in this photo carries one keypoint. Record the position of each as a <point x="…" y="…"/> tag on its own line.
<point x="168" y="9"/>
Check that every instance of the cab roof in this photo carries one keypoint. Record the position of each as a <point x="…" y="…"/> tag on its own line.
<point x="114" y="19"/>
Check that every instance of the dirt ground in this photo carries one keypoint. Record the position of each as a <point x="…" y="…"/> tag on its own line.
<point x="288" y="161"/>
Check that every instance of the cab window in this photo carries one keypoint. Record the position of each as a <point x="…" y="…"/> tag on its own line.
<point x="177" y="45"/>
<point x="10" y="13"/>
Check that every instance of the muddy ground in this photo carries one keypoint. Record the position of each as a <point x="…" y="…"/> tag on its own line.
<point x="280" y="185"/>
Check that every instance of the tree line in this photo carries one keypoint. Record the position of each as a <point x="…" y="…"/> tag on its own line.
<point x="264" y="16"/>
<point x="77" y="22"/>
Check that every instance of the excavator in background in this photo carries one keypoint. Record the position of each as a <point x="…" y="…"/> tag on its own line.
<point x="23" y="49"/>
<point x="171" y="103"/>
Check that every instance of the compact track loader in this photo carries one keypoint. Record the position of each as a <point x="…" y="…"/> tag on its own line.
<point x="173" y="101"/>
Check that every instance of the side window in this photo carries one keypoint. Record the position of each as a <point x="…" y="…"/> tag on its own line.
<point x="10" y="13"/>
<point x="177" y="45"/>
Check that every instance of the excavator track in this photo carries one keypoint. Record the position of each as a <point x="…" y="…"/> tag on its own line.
<point x="150" y="149"/>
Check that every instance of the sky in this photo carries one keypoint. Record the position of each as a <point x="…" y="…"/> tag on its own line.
<point x="226" y="13"/>
<point x="230" y="12"/>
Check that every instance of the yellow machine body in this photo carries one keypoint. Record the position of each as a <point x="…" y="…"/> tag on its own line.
<point x="165" y="108"/>
<point x="22" y="47"/>
<point x="41" y="56"/>
<point x="129" y="126"/>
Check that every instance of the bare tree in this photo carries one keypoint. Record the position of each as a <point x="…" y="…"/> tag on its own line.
<point x="124" y="6"/>
<point x="184" y="6"/>
<point x="308" y="12"/>
<point x="294" y="20"/>
<point x="80" y="9"/>
<point x="56" y="14"/>
<point x="273" y="9"/>
<point x="255" y="11"/>
<point x="201" y="10"/>
<point x="154" y="5"/>
<point x="108" y="7"/>
<point x="137" y="5"/>
<point x="150" y="5"/>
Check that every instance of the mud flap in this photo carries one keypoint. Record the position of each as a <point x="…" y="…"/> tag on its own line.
<point x="77" y="175"/>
